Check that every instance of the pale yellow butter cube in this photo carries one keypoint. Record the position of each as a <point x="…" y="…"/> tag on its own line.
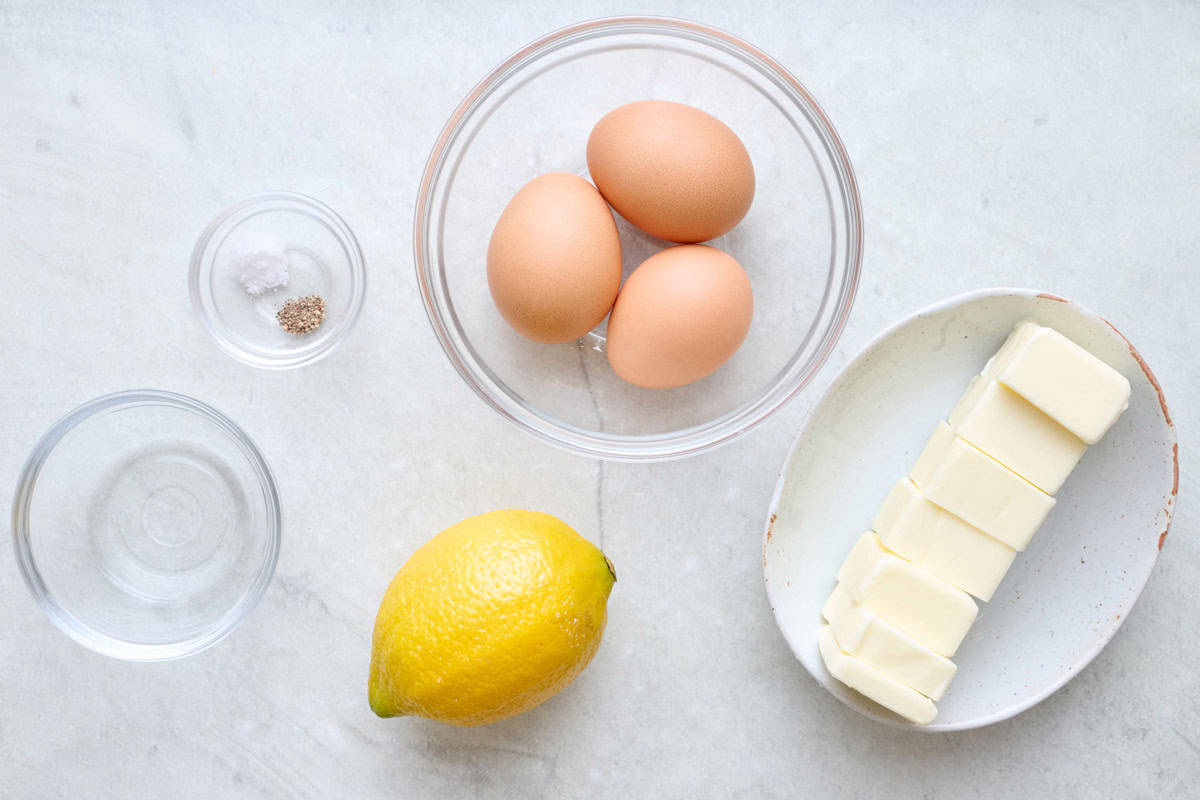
<point x="865" y="679"/>
<point x="899" y="592"/>
<point x="1067" y="383"/>
<point x="864" y="635"/>
<point x="1021" y="333"/>
<point x="1011" y="430"/>
<point x="911" y="526"/>
<point x="980" y="490"/>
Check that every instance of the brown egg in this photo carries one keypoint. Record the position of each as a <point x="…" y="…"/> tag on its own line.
<point x="672" y="170"/>
<point x="681" y="314"/>
<point x="554" y="260"/>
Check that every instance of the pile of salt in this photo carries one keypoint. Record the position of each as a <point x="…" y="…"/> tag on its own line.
<point x="259" y="261"/>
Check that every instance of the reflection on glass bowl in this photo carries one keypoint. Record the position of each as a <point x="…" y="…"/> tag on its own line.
<point x="801" y="242"/>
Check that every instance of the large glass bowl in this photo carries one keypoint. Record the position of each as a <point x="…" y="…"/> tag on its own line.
<point x="147" y="525"/>
<point x="801" y="242"/>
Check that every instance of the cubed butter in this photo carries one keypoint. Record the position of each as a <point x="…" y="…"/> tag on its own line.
<point x="899" y="592"/>
<point x="977" y="488"/>
<point x="1021" y="333"/>
<point x="865" y="679"/>
<point x="1067" y="383"/>
<point x="864" y="635"/>
<point x="914" y="528"/>
<point x="1011" y="430"/>
<point x="980" y="489"/>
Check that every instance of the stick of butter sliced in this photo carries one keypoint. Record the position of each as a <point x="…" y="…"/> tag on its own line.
<point x="899" y="592"/>
<point x="965" y="481"/>
<point x="1067" y="383"/>
<point x="911" y="526"/>
<point x="864" y="635"/>
<point x="865" y="679"/>
<point x="1011" y="430"/>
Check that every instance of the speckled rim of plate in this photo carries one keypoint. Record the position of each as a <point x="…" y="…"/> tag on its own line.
<point x="851" y="364"/>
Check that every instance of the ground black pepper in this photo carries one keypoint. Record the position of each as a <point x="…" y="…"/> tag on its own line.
<point x="302" y="315"/>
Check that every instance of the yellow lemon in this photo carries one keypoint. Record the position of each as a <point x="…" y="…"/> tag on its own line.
<point x="489" y="618"/>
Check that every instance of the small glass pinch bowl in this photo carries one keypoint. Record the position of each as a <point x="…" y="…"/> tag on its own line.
<point x="800" y="244"/>
<point x="323" y="259"/>
<point x="147" y="525"/>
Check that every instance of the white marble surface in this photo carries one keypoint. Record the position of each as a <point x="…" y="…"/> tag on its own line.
<point x="1056" y="148"/>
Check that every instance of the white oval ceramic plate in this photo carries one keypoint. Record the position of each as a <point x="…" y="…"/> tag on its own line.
<point x="1066" y="595"/>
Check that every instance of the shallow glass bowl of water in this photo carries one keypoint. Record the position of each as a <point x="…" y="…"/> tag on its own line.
<point x="147" y="525"/>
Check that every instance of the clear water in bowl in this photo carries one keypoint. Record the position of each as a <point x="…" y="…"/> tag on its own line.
<point x="149" y="528"/>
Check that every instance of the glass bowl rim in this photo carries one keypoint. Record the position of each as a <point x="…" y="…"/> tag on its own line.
<point x="61" y="616"/>
<point x="340" y="230"/>
<point x="676" y="443"/>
